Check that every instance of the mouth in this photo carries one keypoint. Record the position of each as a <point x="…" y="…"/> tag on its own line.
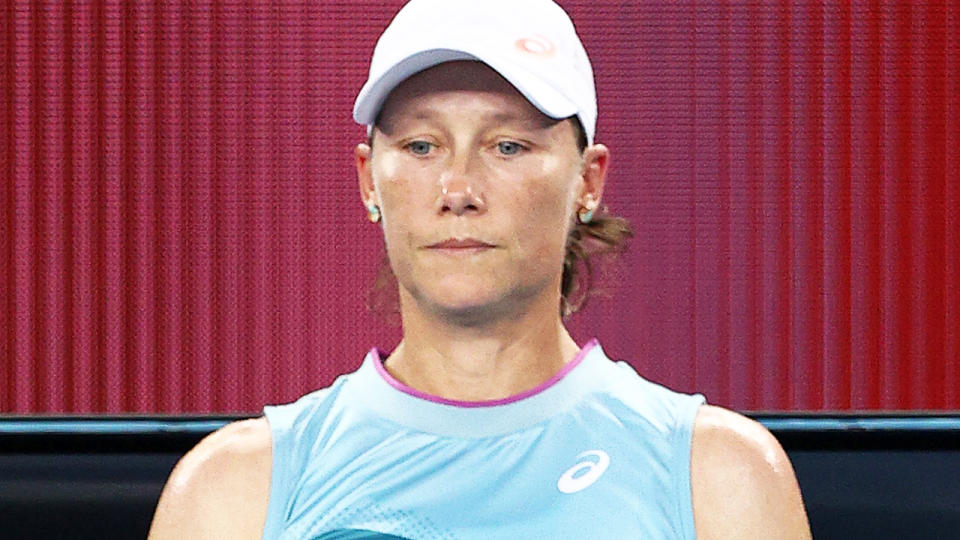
<point x="460" y="244"/>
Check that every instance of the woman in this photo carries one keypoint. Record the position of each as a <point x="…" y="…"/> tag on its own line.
<point x="487" y="420"/>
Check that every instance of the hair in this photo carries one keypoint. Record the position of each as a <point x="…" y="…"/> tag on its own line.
<point x="601" y="240"/>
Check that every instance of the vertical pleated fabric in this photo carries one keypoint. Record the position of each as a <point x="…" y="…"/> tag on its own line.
<point x="181" y="229"/>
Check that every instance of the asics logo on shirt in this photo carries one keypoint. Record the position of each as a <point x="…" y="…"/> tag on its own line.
<point x="585" y="473"/>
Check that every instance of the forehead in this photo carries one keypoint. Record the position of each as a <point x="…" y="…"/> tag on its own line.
<point x="461" y="84"/>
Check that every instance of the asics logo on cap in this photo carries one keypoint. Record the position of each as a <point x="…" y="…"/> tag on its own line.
<point x="537" y="45"/>
<point x="585" y="473"/>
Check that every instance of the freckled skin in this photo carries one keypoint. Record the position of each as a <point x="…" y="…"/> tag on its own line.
<point x="466" y="186"/>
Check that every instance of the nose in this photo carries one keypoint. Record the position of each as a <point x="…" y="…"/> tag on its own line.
<point x="460" y="190"/>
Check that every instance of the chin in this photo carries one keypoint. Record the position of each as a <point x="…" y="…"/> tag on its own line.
<point x="466" y="302"/>
<point x="463" y="298"/>
<point x="471" y="315"/>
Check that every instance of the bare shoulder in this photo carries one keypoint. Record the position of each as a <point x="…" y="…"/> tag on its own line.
<point x="220" y="488"/>
<point x="742" y="480"/>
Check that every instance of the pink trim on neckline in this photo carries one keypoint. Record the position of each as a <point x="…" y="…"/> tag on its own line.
<point x="378" y="364"/>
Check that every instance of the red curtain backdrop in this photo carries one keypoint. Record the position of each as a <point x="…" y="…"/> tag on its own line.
<point x="181" y="229"/>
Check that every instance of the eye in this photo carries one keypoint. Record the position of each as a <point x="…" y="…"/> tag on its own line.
<point x="509" y="148"/>
<point x="420" y="148"/>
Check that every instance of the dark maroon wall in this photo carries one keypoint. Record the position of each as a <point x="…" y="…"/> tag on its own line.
<point x="181" y="229"/>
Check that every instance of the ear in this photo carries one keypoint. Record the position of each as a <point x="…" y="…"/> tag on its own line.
<point x="596" y="161"/>
<point x="362" y="157"/>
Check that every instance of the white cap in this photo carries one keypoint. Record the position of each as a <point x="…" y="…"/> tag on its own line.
<point x="531" y="43"/>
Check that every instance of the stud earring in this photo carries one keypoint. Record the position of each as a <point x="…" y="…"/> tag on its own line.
<point x="585" y="215"/>
<point x="373" y="213"/>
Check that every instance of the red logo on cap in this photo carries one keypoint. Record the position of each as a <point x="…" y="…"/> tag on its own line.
<point x="536" y="44"/>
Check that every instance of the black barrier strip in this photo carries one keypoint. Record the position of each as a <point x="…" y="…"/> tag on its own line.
<point x="106" y="434"/>
<point x="108" y="427"/>
<point x="935" y="424"/>
<point x="780" y="423"/>
<point x="125" y="434"/>
<point x="865" y="432"/>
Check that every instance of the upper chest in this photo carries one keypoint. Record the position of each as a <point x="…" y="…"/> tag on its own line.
<point x="578" y="476"/>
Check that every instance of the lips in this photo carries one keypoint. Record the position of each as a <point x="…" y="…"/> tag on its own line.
<point x="460" y="243"/>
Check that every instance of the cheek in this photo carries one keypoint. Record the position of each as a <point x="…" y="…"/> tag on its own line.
<point x="394" y="191"/>
<point x="544" y="223"/>
<point x="554" y="199"/>
<point x="384" y="165"/>
<point x="404" y="202"/>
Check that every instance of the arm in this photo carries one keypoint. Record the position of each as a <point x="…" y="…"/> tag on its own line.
<point x="743" y="483"/>
<point x="220" y="489"/>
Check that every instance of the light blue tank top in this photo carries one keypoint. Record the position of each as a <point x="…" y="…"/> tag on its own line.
<point x="595" y="452"/>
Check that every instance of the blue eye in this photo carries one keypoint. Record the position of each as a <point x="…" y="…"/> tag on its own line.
<point x="420" y="148"/>
<point x="509" y="148"/>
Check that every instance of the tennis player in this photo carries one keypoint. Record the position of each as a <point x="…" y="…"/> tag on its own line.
<point x="487" y="420"/>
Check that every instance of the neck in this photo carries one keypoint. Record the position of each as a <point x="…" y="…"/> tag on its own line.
<point x="492" y="361"/>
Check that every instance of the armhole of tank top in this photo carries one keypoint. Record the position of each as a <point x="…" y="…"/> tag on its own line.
<point x="281" y="426"/>
<point x="686" y="415"/>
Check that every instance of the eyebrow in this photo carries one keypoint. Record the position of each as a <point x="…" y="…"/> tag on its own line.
<point x="540" y="121"/>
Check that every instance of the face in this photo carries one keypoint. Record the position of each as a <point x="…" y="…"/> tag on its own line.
<point x="477" y="191"/>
